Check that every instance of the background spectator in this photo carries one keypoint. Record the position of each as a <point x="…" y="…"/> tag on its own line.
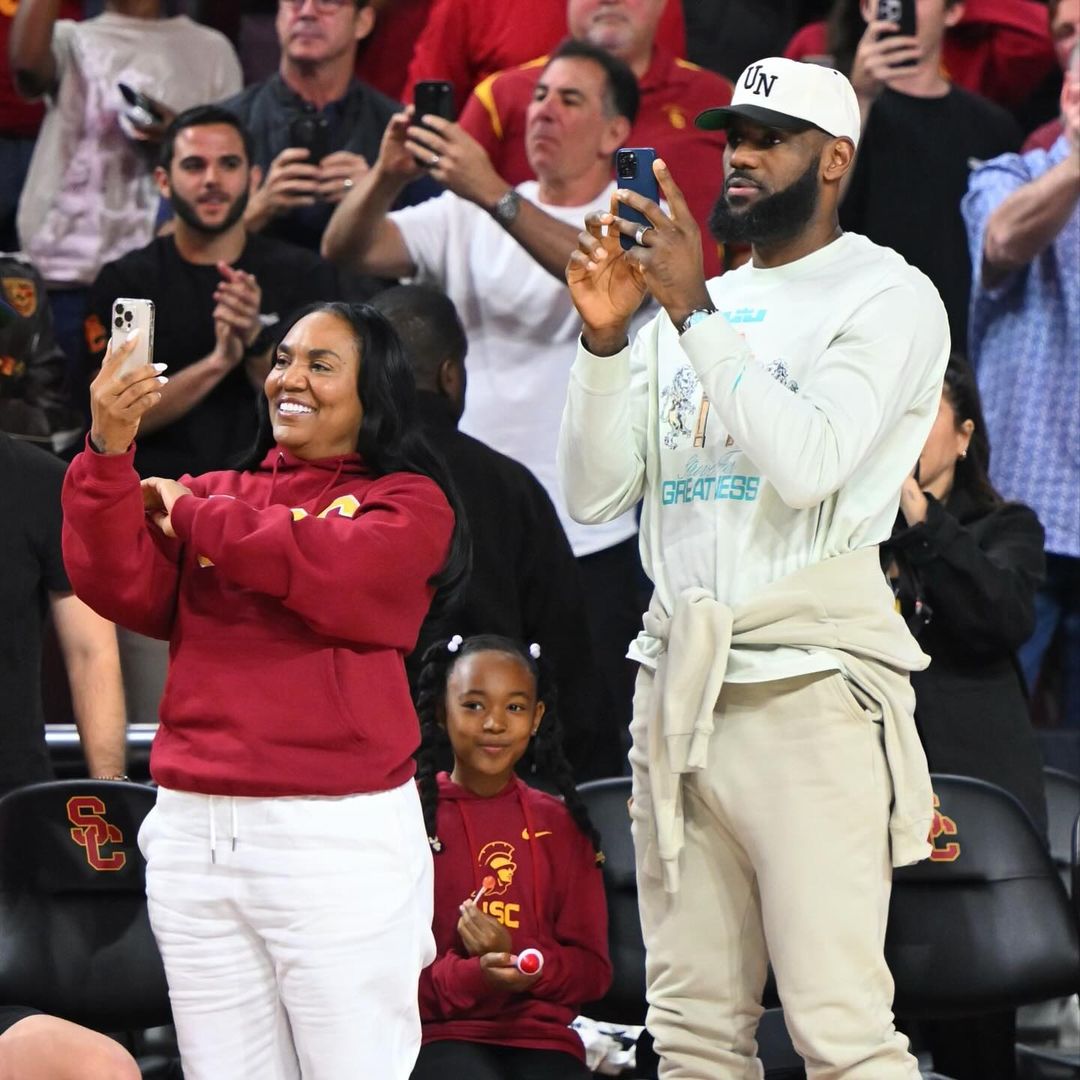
<point x="997" y="48"/>
<point x="499" y="253"/>
<point x="1023" y="221"/>
<point x="34" y="582"/>
<point x="314" y="127"/>
<point x="89" y="195"/>
<point x="524" y="583"/>
<point x="921" y="136"/>
<point x="465" y="41"/>
<point x="19" y="124"/>
<point x="219" y="295"/>
<point x="672" y="92"/>
<point x="35" y="403"/>
<point x="965" y="567"/>
<point x="34" y="1046"/>
<point x="1065" y="33"/>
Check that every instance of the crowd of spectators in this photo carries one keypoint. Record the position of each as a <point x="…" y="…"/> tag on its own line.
<point x="134" y="162"/>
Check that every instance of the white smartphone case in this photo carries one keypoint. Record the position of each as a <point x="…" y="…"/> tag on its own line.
<point x="128" y="315"/>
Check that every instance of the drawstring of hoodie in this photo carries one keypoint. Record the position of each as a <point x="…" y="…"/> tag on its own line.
<point x="279" y="457"/>
<point x="233" y="824"/>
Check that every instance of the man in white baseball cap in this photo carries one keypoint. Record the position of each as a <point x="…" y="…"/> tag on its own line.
<point x="791" y="96"/>
<point x="767" y="419"/>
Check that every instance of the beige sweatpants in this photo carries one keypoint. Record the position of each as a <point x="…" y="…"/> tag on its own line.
<point x="786" y="858"/>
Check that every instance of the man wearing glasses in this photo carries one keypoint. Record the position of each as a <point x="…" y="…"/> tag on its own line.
<point x="315" y="127"/>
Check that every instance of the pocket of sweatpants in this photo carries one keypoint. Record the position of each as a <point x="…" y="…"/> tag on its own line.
<point x="855" y="701"/>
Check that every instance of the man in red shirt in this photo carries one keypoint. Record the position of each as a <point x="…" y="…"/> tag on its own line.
<point x="465" y="41"/>
<point x="1065" y="33"/>
<point x="673" y="92"/>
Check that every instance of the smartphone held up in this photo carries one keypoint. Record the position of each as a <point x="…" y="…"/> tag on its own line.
<point x="902" y="13"/>
<point x="634" y="172"/>
<point x="134" y="317"/>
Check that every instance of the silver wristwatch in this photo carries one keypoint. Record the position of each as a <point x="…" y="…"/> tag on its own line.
<point x="694" y="317"/>
<point x="505" y="211"/>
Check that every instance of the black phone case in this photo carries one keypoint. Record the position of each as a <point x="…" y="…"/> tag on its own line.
<point x="311" y="131"/>
<point x="433" y="98"/>
<point x="644" y="183"/>
<point x="901" y="12"/>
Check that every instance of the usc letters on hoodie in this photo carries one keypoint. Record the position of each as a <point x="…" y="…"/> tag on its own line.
<point x="549" y="894"/>
<point x="289" y="600"/>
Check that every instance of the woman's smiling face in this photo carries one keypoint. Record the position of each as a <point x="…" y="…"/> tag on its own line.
<point x="313" y="388"/>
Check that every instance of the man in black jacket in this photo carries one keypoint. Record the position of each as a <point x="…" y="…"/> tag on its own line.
<point x="525" y="581"/>
<point x="315" y="128"/>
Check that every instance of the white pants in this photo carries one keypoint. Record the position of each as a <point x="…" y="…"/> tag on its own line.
<point x="293" y="932"/>
<point x="786" y="858"/>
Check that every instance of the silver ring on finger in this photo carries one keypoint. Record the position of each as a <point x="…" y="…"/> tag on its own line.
<point x="639" y="236"/>
<point x="434" y="160"/>
<point x="347" y="183"/>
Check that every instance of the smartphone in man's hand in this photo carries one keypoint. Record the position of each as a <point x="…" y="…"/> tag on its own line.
<point x="634" y="172"/>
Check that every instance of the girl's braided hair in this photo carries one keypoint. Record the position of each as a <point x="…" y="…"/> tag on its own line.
<point x="434" y="753"/>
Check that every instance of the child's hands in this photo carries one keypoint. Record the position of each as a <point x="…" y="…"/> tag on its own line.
<point x="501" y="973"/>
<point x="481" y="933"/>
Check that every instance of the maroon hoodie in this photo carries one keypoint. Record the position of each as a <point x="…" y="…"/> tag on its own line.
<point x="549" y="895"/>
<point x="289" y="599"/>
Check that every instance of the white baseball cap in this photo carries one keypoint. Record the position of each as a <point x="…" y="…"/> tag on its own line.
<point x="792" y="96"/>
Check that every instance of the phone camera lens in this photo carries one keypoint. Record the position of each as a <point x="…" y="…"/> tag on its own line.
<point x="128" y="316"/>
<point x="118" y="322"/>
<point x="626" y="165"/>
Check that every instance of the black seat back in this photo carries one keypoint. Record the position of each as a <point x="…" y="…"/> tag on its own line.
<point x="985" y="924"/>
<point x="1062" y="806"/>
<point x="625" y="1001"/>
<point x="75" y="939"/>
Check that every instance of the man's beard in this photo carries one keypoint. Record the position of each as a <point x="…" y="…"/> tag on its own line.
<point x="188" y="214"/>
<point x="770" y="219"/>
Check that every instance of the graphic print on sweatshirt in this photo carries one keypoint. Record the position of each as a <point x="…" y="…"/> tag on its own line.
<point x="701" y="461"/>
<point x="495" y="860"/>
<point x="344" y="506"/>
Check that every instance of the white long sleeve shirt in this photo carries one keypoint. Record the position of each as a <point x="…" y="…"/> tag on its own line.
<point x="774" y="434"/>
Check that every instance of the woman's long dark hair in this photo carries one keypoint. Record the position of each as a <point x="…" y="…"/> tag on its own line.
<point x="439" y="661"/>
<point x="390" y="438"/>
<point x="972" y="471"/>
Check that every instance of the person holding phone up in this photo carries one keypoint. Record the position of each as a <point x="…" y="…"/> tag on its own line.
<point x="289" y="878"/>
<point x="768" y="419"/>
<point x="315" y="127"/>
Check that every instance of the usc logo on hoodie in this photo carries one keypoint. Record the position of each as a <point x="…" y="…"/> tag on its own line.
<point x="497" y="858"/>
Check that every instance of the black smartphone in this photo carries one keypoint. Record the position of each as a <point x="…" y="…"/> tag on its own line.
<point x="901" y="12"/>
<point x="634" y="171"/>
<point x="311" y="130"/>
<point x="141" y="111"/>
<point x="433" y="97"/>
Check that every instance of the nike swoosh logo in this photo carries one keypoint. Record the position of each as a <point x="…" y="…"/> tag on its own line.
<point x="536" y="835"/>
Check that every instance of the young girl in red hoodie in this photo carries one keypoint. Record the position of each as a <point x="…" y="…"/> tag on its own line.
<point x="515" y="869"/>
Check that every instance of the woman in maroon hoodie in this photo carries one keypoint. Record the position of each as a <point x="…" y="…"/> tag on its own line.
<point x="515" y="869"/>
<point x="288" y="875"/>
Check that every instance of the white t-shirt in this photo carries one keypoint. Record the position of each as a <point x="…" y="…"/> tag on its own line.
<point x="89" y="195"/>
<point x="772" y="435"/>
<point x="522" y="329"/>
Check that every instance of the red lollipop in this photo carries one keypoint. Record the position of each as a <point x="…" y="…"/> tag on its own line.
<point x="530" y="961"/>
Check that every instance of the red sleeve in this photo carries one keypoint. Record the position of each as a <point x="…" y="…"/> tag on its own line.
<point x="481" y="120"/>
<point x="363" y="579"/>
<point x="443" y="50"/>
<point x="577" y="968"/>
<point x="118" y="563"/>
<point x="671" y="30"/>
<point x="454" y="988"/>
<point x="809" y="41"/>
<point x="1001" y="49"/>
